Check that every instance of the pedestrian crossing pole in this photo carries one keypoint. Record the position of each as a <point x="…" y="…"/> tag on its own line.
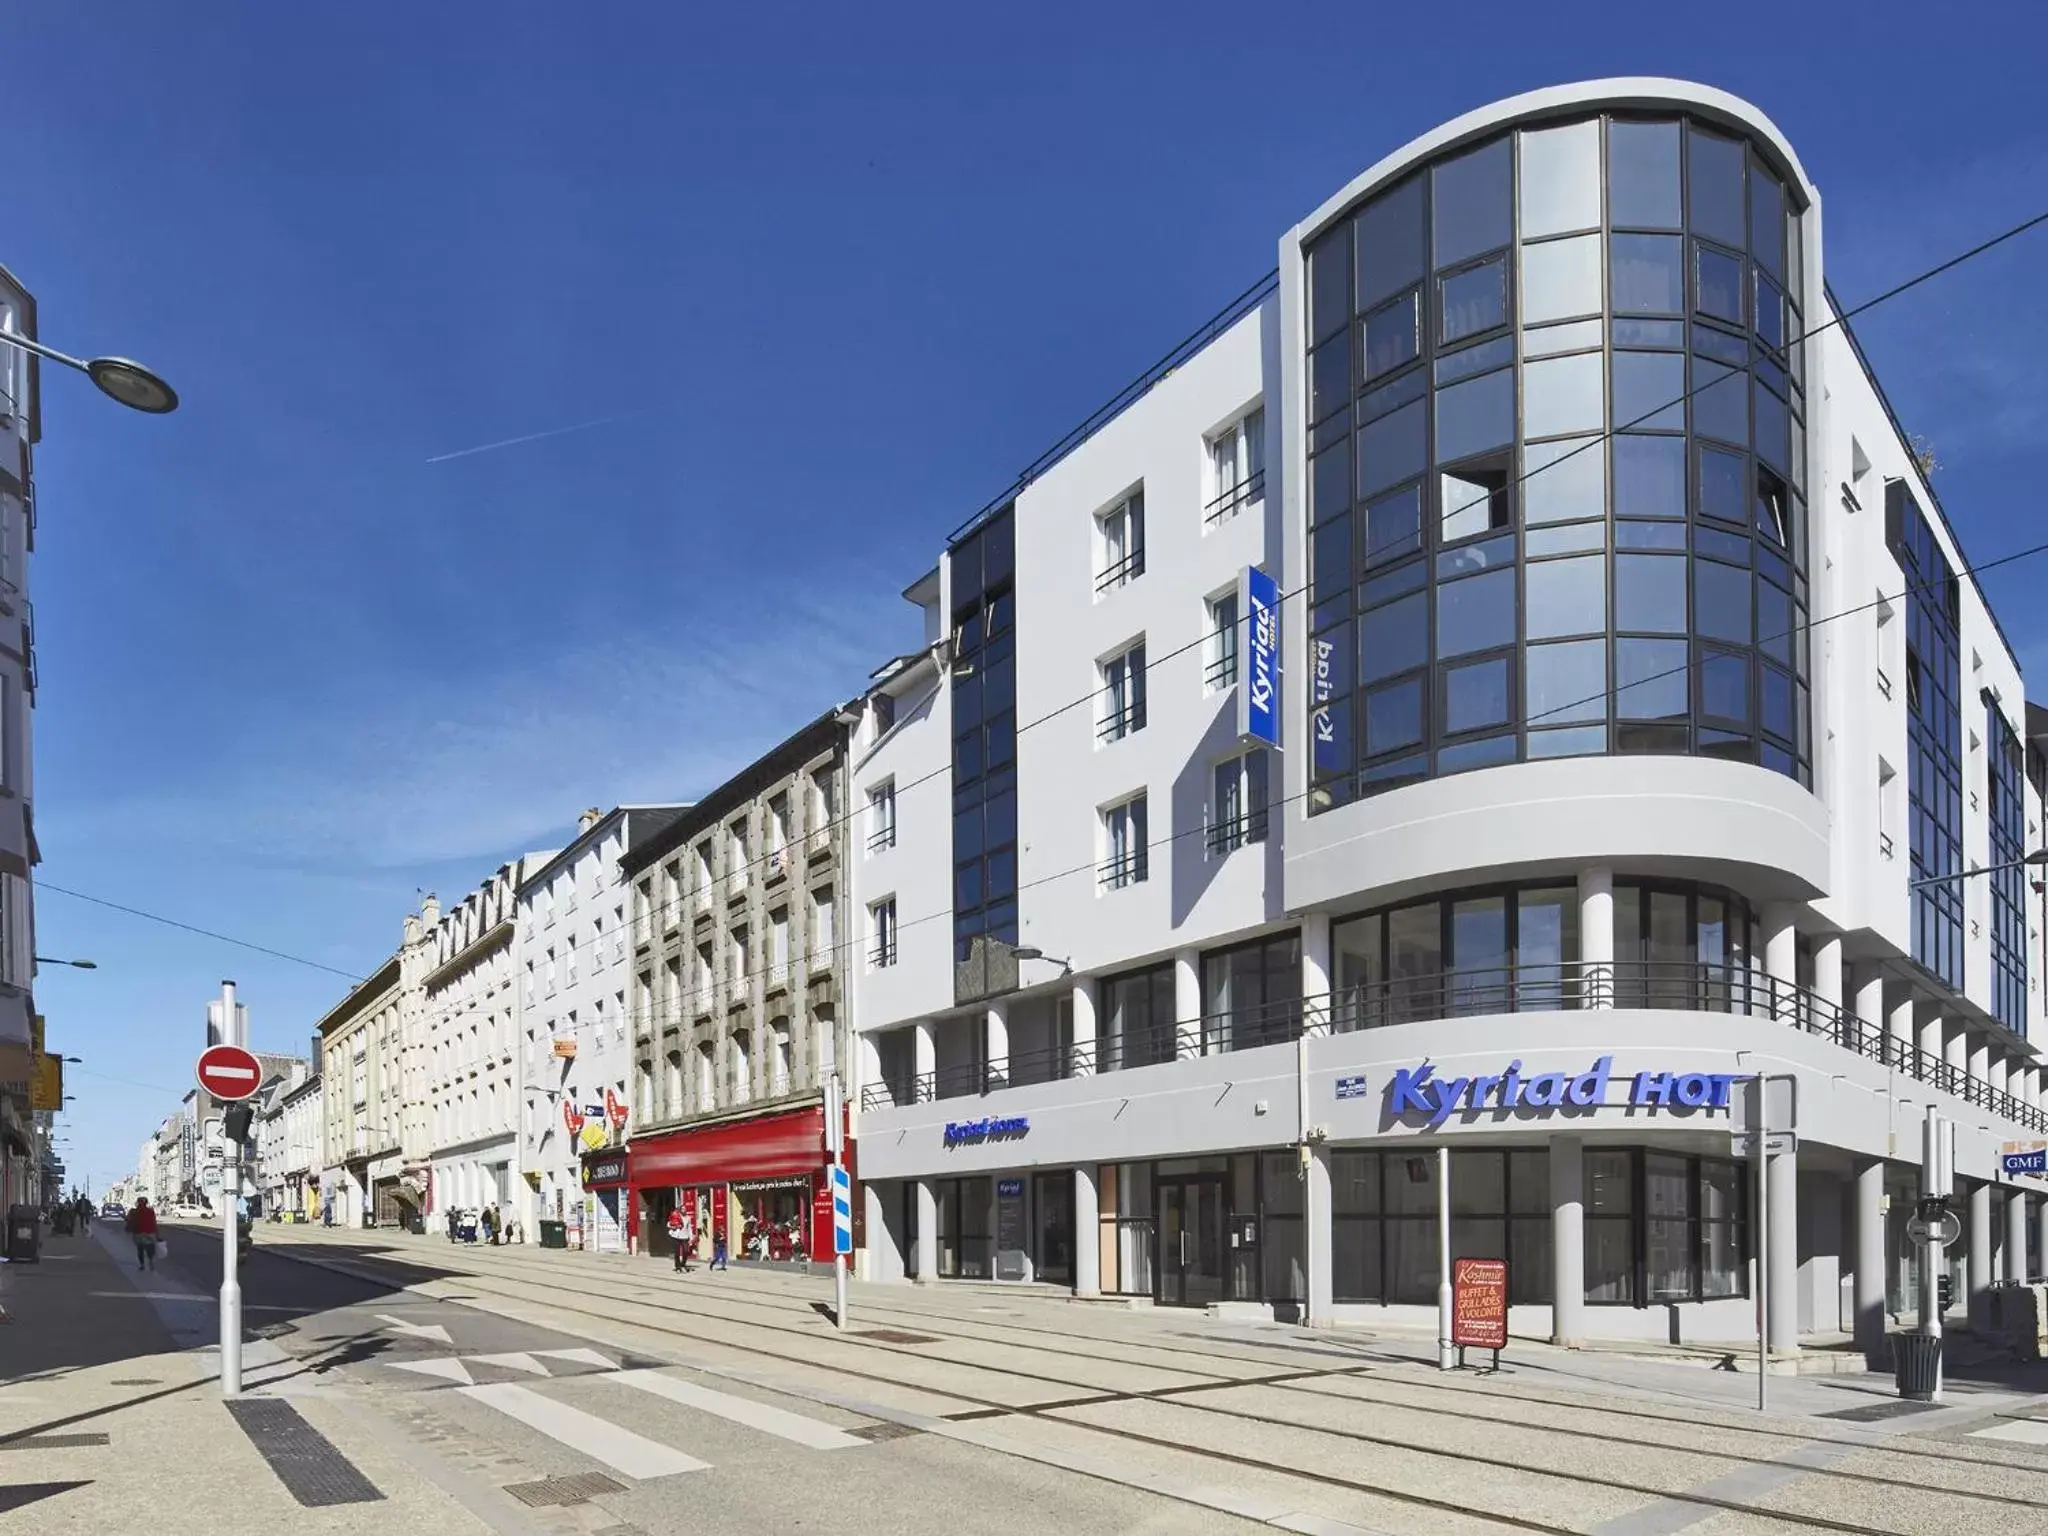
<point x="835" y="1154"/>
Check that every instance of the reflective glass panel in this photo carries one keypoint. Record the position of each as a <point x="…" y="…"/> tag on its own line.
<point x="1631" y="535"/>
<point x="1770" y="313"/>
<point x="1766" y="220"/>
<point x="1722" y="492"/>
<point x="1473" y="204"/>
<point x="1560" y="279"/>
<point x="1391" y="337"/>
<point x="1565" y="394"/>
<point x="1329" y="478"/>
<point x="1720" y="401"/>
<point x="1476" y="415"/>
<point x="1563" y="481"/>
<point x="1716" y="186"/>
<point x="1329" y="281"/>
<point x="1475" y="614"/>
<point x="1476" y="696"/>
<point x="1773" y="428"/>
<point x="1717" y="278"/>
<point x="1774" y="703"/>
<point x="1560" y="179"/>
<point x="1569" y="539"/>
<point x="1566" y="597"/>
<point x="1482" y="358"/>
<point x="1650" y="679"/>
<point x="1721" y="600"/>
<point x="1392" y="449"/>
<point x="1393" y="525"/>
<point x="1390" y="239"/>
<point x="1399" y="581"/>
<point x="1649" y="274"/>
<point x="1474" y="300"/>
<point x="1394" y="638"/>
<point x="1329" y="376"/>
<point x="1330" y="561"/>
<point x="1573" y="741"/>
<point x="1393" y="716"/>
<point x="1572" y="337"/>
<point x="1649" y="390"/>
<point x="1642" y="175"/>
<point x="1650" y="333"/>
<point x="1649" y="476"/>
<point x="1489" y="752"/>
<point x="1566" y="683"/>
<point x="1649" y="593"/>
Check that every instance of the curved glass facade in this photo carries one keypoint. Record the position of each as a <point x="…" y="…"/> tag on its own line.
<point x="1557" y="460"/>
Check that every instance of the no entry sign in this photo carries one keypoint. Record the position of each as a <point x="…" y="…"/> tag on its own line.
<point x="228" y="1072"/>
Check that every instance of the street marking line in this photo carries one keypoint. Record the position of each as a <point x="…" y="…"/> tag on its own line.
<point x="515" y="1360"/>
<point x="577" y="1357"/>
<point x="620" y="1449"/>
<point x="447" y="1370"/>
<point x="2024" y="1431"/>
<point x="432" y="1331"/>
<point x="740" y="1410"/>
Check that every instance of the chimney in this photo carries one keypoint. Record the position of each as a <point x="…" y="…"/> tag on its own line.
<point x="430" y="909"/>
<point x="588" y="819"/>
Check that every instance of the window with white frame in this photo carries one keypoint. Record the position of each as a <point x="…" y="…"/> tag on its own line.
<point x="1123" y="695"/>
<point x="1120" y="543"/>
<point x="824" y="933"/>
<point x="1237" y="802"/>
<point x="707" y="1075"/>
<point x="882" y="816"/>
<point x="1125" y="844"/>
<point x="1237" y="469"/>
<point x="824" y="801"/>
<point x="882" y="931"/>
<point x="736" y="855"/>
<point x="1220" y="665"/>
<point x="778" y="1057"/>
<point x="742" y="1062"/>
<point x="569" y="960"/>
<point x="707" y="974"/>
<point x="778" y="943"/>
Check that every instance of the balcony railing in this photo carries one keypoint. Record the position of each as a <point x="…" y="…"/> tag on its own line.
<point x="1234" y="498"/>
<point x="1463" y="993"/>
<point x="1233" y="832"/>
<point x="1129" y="568"/>
<point x="1122" y="869"/>
<point x="1121" y="721"/>
<point x="1221" y="671"/>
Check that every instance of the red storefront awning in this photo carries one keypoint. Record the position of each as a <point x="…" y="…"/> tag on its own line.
<point x="769" y="1147"/>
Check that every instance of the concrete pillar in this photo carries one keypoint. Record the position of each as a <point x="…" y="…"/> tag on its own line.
<point x="1596" y="935"/>
<point x="1870" y="1266"/>
<point x="1980" y="1059"/>
<point x="927" y="1232"/>
<point x="1901" y="1040"/>
<point x="924" y="1061"/>
<point x="1994" y="1070"/>
<point x="1868" y="1002"/>
<point x="1317" y="1002"/>
<point x="2041" y="1240"/>
<point x="1083" y="1058"/>
<point x="1933" y="1033"/>
<point x="2016" y="1237"/>
<point x="1781" y="960"/>
<point x="1187" y="1001"/>
<point x="1782" y="1330"/>
<point x="1827" y="969"/>
<point x="1956" y="1046"/>
<point x="1980" y="1254"/>
<point x="1087" y="1233"/>
<point x="882" y="1258"/>
<point x="1316" y="1236"/>
<point x="995" y="1046"/>
<point x="1567" y="1241"/>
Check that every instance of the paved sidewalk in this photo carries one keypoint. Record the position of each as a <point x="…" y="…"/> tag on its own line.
<point x="107" y="1424"/>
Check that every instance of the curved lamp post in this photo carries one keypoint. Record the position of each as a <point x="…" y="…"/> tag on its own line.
<point x="119" y="378"/>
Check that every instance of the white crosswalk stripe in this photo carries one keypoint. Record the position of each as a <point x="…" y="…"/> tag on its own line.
<point x="2024" y="1431"/>
<point x="620" y="1449"/>
<point x="517" y="1360"/>
<point x="740" y="1410"/>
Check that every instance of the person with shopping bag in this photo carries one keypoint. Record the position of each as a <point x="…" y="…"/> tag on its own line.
<point x="141" y="1224"/>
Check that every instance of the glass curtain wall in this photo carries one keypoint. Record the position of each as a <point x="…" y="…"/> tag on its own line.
<point x="984" y="684"/>
<point x="2008" y="880"/>
<point x="1557" y="460"/>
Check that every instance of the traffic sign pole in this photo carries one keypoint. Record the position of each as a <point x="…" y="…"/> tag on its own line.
<point x="230" y="1233"/>
<point x="835" y="1151"/>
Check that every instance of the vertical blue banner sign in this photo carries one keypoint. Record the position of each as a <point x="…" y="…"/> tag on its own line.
<point x="1258" y="694"/>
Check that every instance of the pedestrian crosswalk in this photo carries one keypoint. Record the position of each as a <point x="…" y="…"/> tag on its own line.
<point x="765" y="1417"/>
<point x="2018" y="1431"/>
<point x="472" y="1370"/>
<point x="621" y="1449"/>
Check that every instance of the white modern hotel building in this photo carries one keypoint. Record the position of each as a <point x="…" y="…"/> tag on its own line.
<point x="1631" y="679"/>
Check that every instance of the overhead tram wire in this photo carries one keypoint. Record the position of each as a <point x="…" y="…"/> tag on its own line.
<point x="1256" y="290"/>
<point x="848" y="817"/>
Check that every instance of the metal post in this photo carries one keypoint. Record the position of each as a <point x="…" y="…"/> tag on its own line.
<point x="835" y="1150"/>
<point x="1763" y="1246"/>
<point x="1446" y="1357"/>
<point x="230" y="1235"/>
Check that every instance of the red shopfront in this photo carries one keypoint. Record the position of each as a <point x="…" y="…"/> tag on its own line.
<point x="763" y="1177"/>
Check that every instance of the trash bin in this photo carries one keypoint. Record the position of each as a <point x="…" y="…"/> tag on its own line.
<point x="24" y="1235"/>
<point x="1916" y="1357"/>
<point x="554" y="1234"/>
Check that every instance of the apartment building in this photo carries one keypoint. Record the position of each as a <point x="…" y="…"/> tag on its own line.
<point x="1527" y="686"/>
<point x="362" y="1108"/>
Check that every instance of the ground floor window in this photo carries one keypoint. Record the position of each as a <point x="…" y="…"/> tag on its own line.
<point x="1383" y="1219"/>
<point x="1661" y="1227"/>
<point x="964" y="1212"/>
<point x="1128" y="1188"/>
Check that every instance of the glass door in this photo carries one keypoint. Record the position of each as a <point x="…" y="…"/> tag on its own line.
<point x="1052" y="1201"/>
<point x="1191" y="1248"/>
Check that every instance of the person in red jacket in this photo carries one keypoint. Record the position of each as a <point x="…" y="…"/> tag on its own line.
<point x="142" y="1227"/>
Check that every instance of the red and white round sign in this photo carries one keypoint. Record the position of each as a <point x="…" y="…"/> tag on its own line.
<point x="228" y="1072"/>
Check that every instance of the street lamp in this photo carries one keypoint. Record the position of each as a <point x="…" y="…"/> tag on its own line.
<point x="2034" y="860"/>
<point x="83" y="965"/>
<point x="1033" y="952"/>
<point x="119" y="378"/>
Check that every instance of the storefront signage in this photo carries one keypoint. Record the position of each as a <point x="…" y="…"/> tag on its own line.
<point x="572" y="1117"/>
<point x="565" y="1050"/>
<point x="1419" y="1091"/>
<point x="593" y="1136"/>
<point x="1479" y="1303"/>
<point x="615" y="1110"/>
<point x="2024" y="1157"/>
<point x="1010" y="1189"/>
<point x="961" y="1133"/>
<point x="1258" y="698"/>
<point x="602" y="1172"/>
<point x="1351" y="1087"/>
<point x="1010" y="1256"/>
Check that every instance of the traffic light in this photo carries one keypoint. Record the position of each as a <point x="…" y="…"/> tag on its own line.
<point x="1947" y="1292"/>
<point x="236" y="1123"/>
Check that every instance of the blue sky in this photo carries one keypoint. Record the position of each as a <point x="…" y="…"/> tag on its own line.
<point x="850" y="270"/>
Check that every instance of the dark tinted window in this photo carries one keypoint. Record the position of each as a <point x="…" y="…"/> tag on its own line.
<point x="1474" y="203"/>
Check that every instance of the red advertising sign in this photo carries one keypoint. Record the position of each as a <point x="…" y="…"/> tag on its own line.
<point x="572" y="1117"/>
<point x="1479" y="1303"/>
<point x="615" y="1110"/>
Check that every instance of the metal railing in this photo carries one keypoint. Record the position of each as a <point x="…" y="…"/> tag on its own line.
<point x="1468" y="992"/>
<point x="1884" y="682"/>
<point x="883" y="954"/>
<point x="883" y="836"/>
<point x="1122" y="869"/>
<point x="1234" y="832"/>
<point x="1234" y="498"/>
<point x="1121" y="721"/>
<point x="1221" y="671"/>
<point x="1885" y="847"/>
<point x="1130" y="568"/>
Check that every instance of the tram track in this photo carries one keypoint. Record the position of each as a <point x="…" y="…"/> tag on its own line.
<point x="1058" y="1412"/>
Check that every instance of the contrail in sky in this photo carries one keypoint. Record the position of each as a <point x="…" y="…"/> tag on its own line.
<point x="533" y="437"/>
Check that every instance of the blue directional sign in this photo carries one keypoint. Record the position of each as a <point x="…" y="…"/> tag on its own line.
<point x="842" y="1209"/>
<point x="1258" y="695"/>
<point x="2030" y="1160"/>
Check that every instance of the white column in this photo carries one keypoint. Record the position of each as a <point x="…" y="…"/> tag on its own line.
<point x="1316" y="1237"/>
<point x="1980" y="1058"/>
<point x="1868" y="1003"/>
<point x="1087" y="1233"/>
<point x="1933" y="1032"/>
<point x="882" y="1258"/>
<point x="995" y="1042"/>
<point x="1978" y="1268"/>
<point x="1994" y="1070"/>
<point x="1783" y="1326"/>
<point x="1956" y="1046"/>
<point x="1870" y="1266"/>
<point x="924" y="1060"/>
<point x="1900" y="1041"/>
<point x="1596" y="935"/>
<point x="2016" y="1237"/>
<point x="1187" y="1000"/>
<point x="1567" y="1241"/>
<point x="1315" y="970"/>
<point x="1084" y="1064"/>
<point x="1781" y="958"/>
<point x="1827" y="969"/>
<point x="927" y="1232"/>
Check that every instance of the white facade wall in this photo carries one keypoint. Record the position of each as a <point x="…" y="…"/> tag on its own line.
<point x="362" y="1108"/>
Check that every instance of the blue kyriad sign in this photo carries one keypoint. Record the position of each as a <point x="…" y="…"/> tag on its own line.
<point x="1258" y="694"/>
<point x="989" y="1128"/>
<point x="1418" y="1091"/>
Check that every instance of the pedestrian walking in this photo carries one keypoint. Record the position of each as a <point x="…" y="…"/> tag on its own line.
<point x="718" y="1251"/>
<point x="681" y="1241"/>
<point x="141" y="1224"/>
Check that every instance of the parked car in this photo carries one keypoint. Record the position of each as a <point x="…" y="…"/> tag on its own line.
<point x="111" y="1212"/>
<point x="188" y="1213"/>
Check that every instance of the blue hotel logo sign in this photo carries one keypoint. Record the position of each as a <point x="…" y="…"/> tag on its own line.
<point x="1258" y="695"/>
<point x="1418" y="1091"/>
<point x="969" y="1133"/>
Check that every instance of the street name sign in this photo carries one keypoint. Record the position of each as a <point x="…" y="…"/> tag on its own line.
<point x="229" y="1073"/>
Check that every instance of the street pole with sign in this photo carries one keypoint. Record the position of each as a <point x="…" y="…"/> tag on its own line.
<point x="835" y="1156"/>
<point x="1934" y="1226"/>
<point x="230" y="1231"/>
